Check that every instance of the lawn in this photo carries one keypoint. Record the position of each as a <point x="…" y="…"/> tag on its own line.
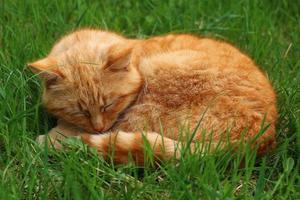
<point x="269" y="31"/>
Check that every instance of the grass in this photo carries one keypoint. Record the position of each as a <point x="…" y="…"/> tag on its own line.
<point x="266" y="30"/>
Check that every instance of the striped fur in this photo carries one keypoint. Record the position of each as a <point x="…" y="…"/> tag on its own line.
<point x="121" y="144"/>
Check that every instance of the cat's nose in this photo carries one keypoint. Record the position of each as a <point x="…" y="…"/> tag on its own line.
<point x="97" y="123"/>
<point x="98" y="128"/>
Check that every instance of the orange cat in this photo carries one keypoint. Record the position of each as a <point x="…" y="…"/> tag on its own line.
<point x="116" y="92"/>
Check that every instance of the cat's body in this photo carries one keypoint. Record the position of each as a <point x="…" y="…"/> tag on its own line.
<point x="162" y="85"/>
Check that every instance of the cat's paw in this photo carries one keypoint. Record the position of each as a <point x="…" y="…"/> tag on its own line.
<point x="43" y="140"/>
<point x="58" y="143"/>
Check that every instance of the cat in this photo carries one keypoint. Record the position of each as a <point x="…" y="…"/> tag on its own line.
<point x="123" y="94"/>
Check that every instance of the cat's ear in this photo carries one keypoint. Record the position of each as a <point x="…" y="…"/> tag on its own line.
<point x="47" y="69"/>
<point x="118" y="58"/>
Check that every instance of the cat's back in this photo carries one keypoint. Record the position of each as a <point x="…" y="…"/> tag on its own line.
<point x="223" y="53"/>
<point x="189" y="56"/>
<point x="195" y="74"/>
<point x="188" y="53"/>
<point x="185" y="75"/>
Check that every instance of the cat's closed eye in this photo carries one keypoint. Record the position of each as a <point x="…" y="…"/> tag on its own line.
<point x="107" y="106"/>
<point x="86" y="113"/>
<point x="83" y="110"/>
<point x="81" y="113"/>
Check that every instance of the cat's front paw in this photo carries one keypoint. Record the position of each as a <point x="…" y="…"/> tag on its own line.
<point x="43" y="140"/>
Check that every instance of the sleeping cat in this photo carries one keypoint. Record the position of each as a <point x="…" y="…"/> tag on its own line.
<point x="123" y="94"/>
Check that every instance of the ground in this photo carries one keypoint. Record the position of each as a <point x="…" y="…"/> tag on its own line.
<point x="266" y="30"/>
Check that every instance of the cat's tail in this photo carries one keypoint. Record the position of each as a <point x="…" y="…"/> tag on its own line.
<point x="123" y="146"/>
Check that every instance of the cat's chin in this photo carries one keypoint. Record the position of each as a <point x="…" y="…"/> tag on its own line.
<point x="91" y="131"/>
<point x="82" y="128"/>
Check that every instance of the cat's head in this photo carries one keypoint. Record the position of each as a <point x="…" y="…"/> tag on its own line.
<point x="90" y="83"/>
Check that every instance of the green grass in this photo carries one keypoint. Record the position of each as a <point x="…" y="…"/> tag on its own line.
<point x="269" y="31"/>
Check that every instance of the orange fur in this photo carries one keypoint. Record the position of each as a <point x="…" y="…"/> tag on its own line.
<point x="105" y="83"/>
